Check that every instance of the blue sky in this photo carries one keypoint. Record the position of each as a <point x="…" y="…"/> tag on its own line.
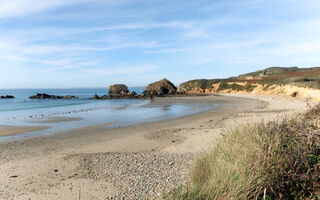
<point x="95" y="43"/>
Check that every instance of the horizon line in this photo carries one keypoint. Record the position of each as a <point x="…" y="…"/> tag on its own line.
<point x="64" y="88"/>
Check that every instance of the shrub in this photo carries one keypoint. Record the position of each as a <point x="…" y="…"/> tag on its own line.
<point x="233" y="86"/>
<point x="249" y="88"/>
<point x="318" y="83"/>
<point x="277" y="160"/>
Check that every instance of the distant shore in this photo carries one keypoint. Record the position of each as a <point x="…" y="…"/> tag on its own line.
<point x="75" y="159"/>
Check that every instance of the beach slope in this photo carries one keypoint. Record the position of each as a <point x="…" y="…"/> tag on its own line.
<point x="136" y="162"/>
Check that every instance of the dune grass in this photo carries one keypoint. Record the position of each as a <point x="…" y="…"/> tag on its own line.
<point x="277" y="160"/>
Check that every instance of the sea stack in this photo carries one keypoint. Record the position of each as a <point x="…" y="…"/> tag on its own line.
<point x="160" y="88"/>
<point x="121" y="91"/>
<point x="118" y="90"/>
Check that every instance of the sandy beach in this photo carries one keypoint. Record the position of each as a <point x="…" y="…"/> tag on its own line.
<point x="136" y="162"/>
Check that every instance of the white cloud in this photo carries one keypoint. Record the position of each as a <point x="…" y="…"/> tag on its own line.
<point x="191" y="35"/>
<point x="18" y="8"/>
<point x="15" y="8"/>
<point x="62" y="56"/>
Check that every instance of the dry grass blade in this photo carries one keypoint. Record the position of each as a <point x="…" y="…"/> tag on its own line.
<point x="277" y="160"/>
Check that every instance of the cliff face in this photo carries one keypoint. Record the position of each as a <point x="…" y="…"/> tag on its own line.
<point x="198" y="86"/>
<point x="256" y="88"/>
<point x="296" y="82"/>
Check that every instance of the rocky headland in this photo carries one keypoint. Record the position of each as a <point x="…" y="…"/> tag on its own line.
<point x="297" y="82"/>
<point x="289" y="81"/>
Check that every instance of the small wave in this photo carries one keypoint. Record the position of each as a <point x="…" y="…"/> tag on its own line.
<point x="26" y="106"/>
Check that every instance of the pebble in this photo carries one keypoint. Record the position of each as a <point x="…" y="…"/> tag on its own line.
<point x="139" y="175"/>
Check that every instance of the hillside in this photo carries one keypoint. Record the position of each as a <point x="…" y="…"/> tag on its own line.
<point x="291" y="81"/>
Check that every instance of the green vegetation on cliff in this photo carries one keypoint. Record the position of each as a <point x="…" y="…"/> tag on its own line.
<point x="233" y="86"/>
<point x="304" y="77"/>
<point x="199" y="84"/>
<point x="236" y="87"/>
<point x="278" y="160"/>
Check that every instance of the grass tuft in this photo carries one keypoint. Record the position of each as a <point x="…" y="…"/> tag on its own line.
<point x="277" y="160"/>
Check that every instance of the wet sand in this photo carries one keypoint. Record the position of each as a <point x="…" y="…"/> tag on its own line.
<point x="59" y="119"/>
<point x="97" y="162"/>
<point x="13" y="130"/>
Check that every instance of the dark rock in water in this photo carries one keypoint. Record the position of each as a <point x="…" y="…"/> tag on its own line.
<point x="129" y="95"/>
<point x="47" y="96"/>
<point x="118" y="89"/>
<point x="160" y="88"/>
<point x="7" y="97"/>
<point x="95" y="96"/>
<point x="104" y="97"/>
<point x="132" y="94"/>
<point x="44" y="96"/>
<point x="70" y="97"/>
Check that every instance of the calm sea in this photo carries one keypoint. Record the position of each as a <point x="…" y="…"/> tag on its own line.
<point x="23" y="111"/>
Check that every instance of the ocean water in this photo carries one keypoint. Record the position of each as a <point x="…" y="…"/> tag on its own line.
<point x="23" y="111"/>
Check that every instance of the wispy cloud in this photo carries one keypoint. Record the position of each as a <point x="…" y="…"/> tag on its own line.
<point x="17" y="8"/>
<point x="102" y="39"/>
<point x="48" y="49"/>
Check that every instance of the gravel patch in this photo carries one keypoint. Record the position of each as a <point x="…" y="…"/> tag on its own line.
<point x="168" y="134"/>
<point x="145" y="175"/>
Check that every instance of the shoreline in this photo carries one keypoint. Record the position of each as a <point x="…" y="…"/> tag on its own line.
<point x="53" y="120"/>
<point x="6" y="130"/>
<point x="215" y="104"/>
<point x="90" y="117"/>
<point x="11" y="130"/>
<point x="70" y="153"/>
